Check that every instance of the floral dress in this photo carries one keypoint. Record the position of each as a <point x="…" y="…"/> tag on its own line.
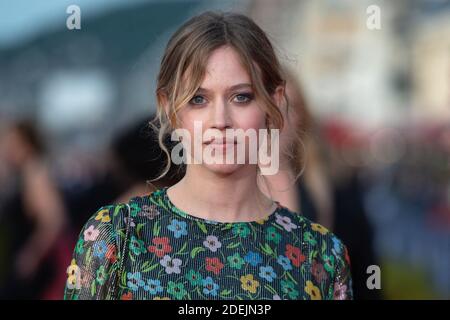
<point x="150" y="249"/>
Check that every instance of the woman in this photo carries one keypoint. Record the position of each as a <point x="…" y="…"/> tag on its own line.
<point x="312" y="196"/>
<point x="33" y="219"/>
<point x="214" y="234"/>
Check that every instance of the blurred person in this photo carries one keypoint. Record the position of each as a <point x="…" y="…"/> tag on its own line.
<point x="311" y="195"/>
<point x="333" y="200"/>
<point x="138" y="158"/>
<point x="33" y="218"/>
<point x="214" y="234"/>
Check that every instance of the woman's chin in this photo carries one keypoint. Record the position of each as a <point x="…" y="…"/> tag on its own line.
<point x="223" y="169"/>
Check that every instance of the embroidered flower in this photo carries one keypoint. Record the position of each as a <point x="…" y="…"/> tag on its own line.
<point x="73" y="273"/>
<point x="101" y="275"/>
<point x="284" y="262"/>
<point x="273" y="235"/>
<point x="178" y="228"/>
<point x="160" y="246"/>
<point x="103" y="215"/>
<point x="212" y="243"/>
<point x="318" y="271"/>
<point x="248" y="283"/>
<point x="134" y="281"/>
<point x="285" y="222"/>
<point x="312" y="291"/>
<point x="288" y="287"/>
<point x="210" y="287"/>
<point x="267" y="273"/>
<point x="171" y="265"/>
<point x="91" y="233"/>
<point x="137" y="246"/>
<point x="253" y="258"/>
<point x="148" y="212"/>
<point x="295" y="255"/>
<point x="194" y="277"/>
<point x="100" y="248"/>
<point x="111" y="253"/>
<point x="241" y="230"/>
<point x="319" y="228"/>
<point x="176" y="289"/>
<point x="79" y="247"/>
<point x="236" y="261"/>
<point x="214" y="265"/>
<point x="153" y="286"/>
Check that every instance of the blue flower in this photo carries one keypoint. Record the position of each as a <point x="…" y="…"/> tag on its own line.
<point x="284" y="262"/>
<point x="153" y="286"/>
<point x="178" y="228"/>
<point x="100" y="249"/>
<point x="253" y="258"/>
<point x="134" y="281"/>
<point x="210" y="287"/>
<point x="336" y="245"/>
<point x="267" y="273"/>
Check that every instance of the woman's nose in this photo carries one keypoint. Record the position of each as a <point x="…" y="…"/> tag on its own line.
<point x="221" y="116"/>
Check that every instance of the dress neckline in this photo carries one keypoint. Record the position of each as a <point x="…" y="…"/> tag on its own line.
<point x="177" y="211"/>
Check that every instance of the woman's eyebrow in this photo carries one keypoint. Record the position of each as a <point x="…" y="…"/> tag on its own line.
<point x="232" y="88"/>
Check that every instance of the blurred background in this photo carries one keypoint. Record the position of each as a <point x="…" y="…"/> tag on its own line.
<point x="73" y="104"/>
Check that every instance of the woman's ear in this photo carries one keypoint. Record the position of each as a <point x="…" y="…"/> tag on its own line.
<point x="278" y="96"/>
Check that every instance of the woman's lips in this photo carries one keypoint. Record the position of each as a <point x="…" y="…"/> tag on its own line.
<point x="218" y="142"/>
<point x="221" y="145"/>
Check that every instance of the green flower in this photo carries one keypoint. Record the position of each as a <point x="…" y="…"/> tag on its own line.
<point x="79" y="247"/>
<point x="328" y="263"/>
<point x="101" y="275"/>
<point x="135" y="209"/>
<point x="241" y="230"/>
<point x="137" y="246"/>
<point x="176" y="289"/>
<point x="194" y="277"/>
<point x="288" y="287"/>
<point x="273" y="235"/>
<point x="236" y="261"/>
<point x="308" y="237"/>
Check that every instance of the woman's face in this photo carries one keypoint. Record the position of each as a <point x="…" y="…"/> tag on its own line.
<point x="225" y="100"/>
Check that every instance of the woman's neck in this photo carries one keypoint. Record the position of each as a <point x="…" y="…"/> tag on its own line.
<point x="282" y="187"/>
<point x="224" y="198"/>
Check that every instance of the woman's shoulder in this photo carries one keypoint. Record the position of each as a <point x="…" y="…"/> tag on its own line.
<point x="312" y="234"/>
<point x="118" y="214"/>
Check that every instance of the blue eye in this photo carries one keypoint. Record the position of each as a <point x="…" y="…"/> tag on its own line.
<point x="243" y="98"/>
<point x="196" y="100"/>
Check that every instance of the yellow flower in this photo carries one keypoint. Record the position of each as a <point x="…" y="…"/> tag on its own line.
<point x="73" y="273"/>
<point x="248" y="283"/>
<point x="319" y="228"/>
<point x="313" y="291"/>
<point x="161" y="298"/>
<point x="103" y="215"/>
<point x="262" y="221"/>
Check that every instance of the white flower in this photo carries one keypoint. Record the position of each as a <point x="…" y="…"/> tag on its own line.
<point x="212" y="243"/>
<point x="171" y="265"/>
<point x="285" y="222"/>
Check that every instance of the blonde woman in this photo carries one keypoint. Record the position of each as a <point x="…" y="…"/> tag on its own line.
<point x="214" y="234"/>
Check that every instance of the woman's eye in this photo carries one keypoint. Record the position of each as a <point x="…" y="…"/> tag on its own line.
<point x="197" y="100"/>
<point x="243" y="98"/>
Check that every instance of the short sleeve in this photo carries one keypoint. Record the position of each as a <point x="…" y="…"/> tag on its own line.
<point x="92" y="270"/>
<point x="342" y="286"/>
